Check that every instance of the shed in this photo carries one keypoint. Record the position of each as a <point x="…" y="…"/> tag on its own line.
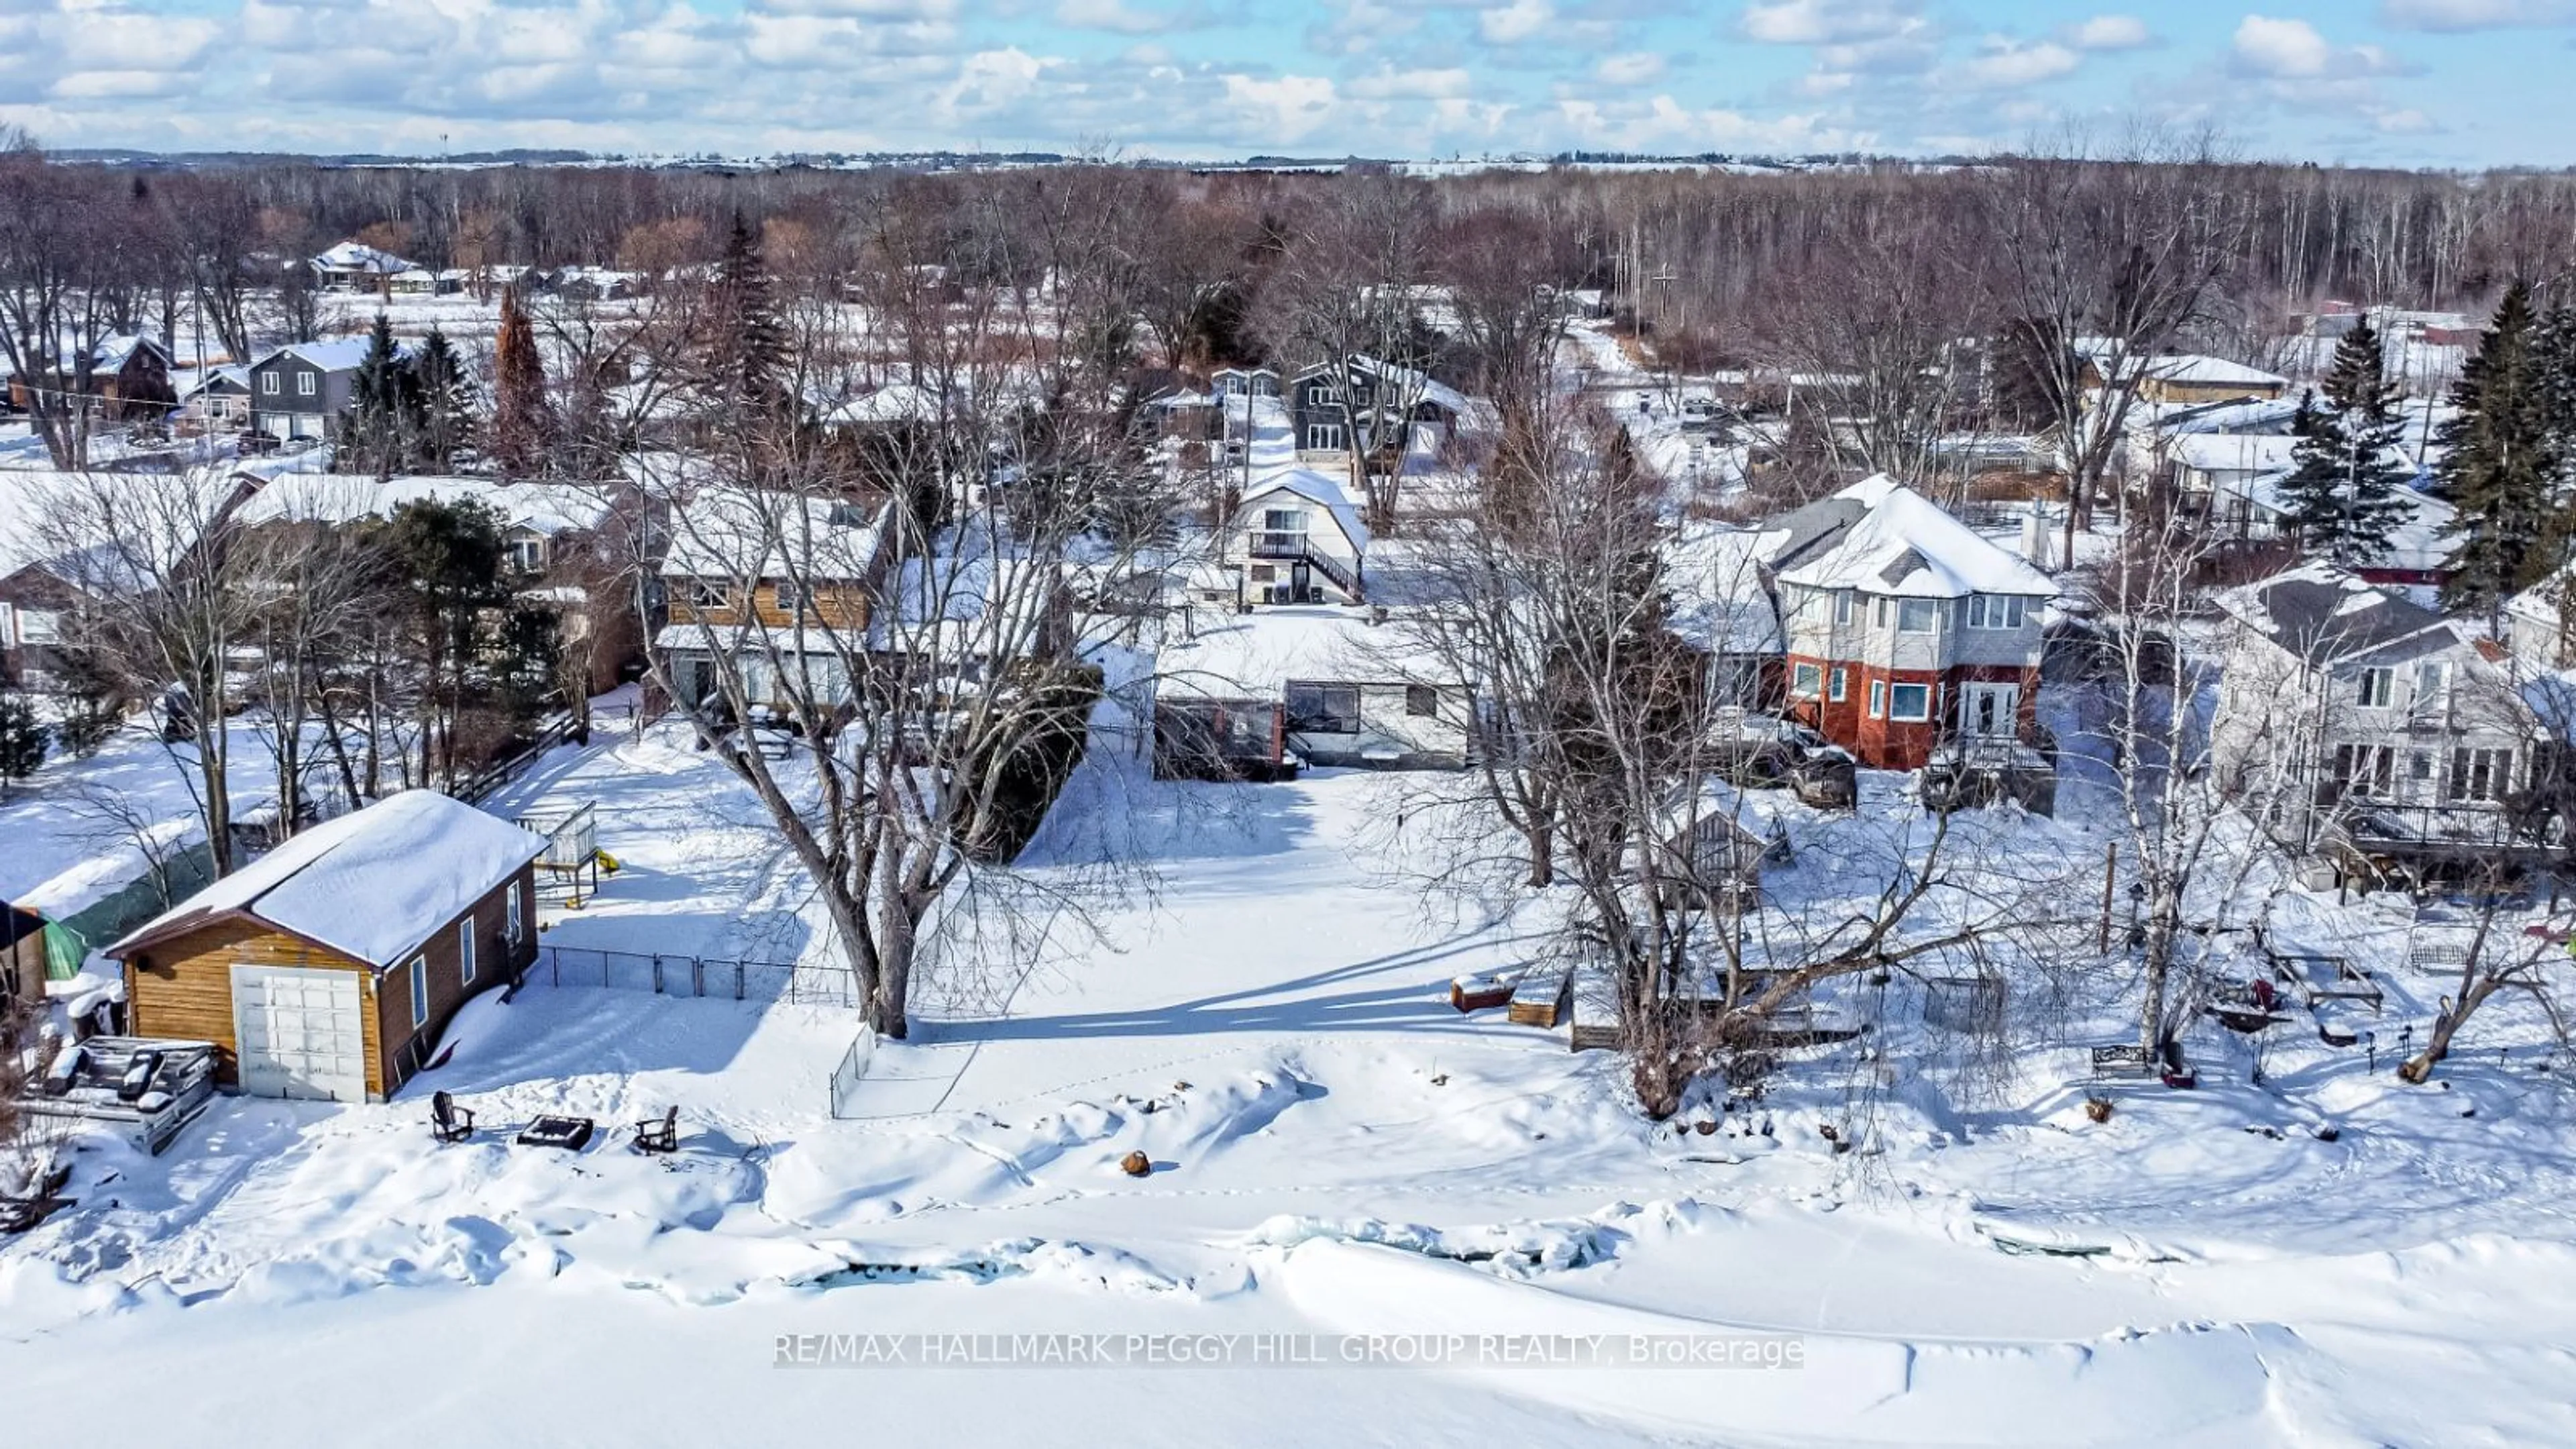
<point x="327" y="968"/>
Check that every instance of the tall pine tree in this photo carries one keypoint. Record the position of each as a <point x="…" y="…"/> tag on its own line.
<point x="522" y="425"/>
<point x="2500" y="469"/>
<point x="383" y="407"/>
<point x="747" y="345"/>
<point x="443" y="404"/>
<point x="2345" y="492"/>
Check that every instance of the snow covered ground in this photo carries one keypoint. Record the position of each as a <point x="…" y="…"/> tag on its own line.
<point x="1336" y="1151"/>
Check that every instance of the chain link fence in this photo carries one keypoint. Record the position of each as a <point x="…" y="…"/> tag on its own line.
<point x="679" y="975"/>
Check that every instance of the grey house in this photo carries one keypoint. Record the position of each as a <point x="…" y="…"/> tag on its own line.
<point x="300" y="390"/>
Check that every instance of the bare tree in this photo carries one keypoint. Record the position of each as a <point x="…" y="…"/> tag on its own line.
<point x="2099" y="265"/>
<point x="70" y="244"/>
<point x="898" y="673"/>
<point x="159" y="607"/>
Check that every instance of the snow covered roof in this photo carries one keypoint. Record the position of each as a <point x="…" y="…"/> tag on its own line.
<point x="894" y="403"/>
<point x="2233" y="452"/>
<point x="740" y="533"/>
<point x="1414" y="382"/>
<point x="373" y="884"/>
<point x="2192" y="368"/>
<point x="1253" y="656"/>
<point x="1321" y="489"/>
<point x="340" y="354"/>
<point x="2321" y="614"/>
<point x="109" y="354"/>
<point x="354" y="256"/>
<point x="226" y="375"/>
<point x="106" y="531"/>
<point x="1881" y="537"/>
<point x="544" y="508"/>
<point x="1714" y="581"/>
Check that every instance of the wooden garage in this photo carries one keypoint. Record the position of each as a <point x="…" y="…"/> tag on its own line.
<point x="327" y="969"/>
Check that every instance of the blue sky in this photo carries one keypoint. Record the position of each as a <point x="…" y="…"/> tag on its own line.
<point x="2394" y="82"/>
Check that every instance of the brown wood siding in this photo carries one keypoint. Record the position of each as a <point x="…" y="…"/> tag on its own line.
<point x="183" y="987"/>
<point x="843" y="606"/>
<point x="394" y="1053"/>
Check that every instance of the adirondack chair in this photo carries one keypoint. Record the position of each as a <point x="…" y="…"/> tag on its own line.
<point x="662" y="1134"/>
<point x="447" y="1121"/>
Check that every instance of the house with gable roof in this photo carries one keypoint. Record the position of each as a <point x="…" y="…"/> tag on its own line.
<point x="1298" y="538"/>
<point x="2351" y="715"/>
<point x="1901" y="627"/>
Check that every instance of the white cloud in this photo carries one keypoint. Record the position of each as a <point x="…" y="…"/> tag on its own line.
<point x="2294" y="50"/>
<point x="2475" y="14"/>
<point x="1120" y="17"/>
<point x="2283" y="48"/>
<point x="1511" y="24"/>
<point x="1290" y="107"/>
<point x="2002" y="63"/>
<point x="2108" y="32"/>
<point x="1826" y="22"/>
<point x="1391" y="85"/>
<point x="1632" y="69"/>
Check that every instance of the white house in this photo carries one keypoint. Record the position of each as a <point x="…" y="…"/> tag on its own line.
<point x="2350" y="715"/>
<point x="2540" y="622"/>
<point x="1298" y="538"/>
<point x="1252" y="695"/>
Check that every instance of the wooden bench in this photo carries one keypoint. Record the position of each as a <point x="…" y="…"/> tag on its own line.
<point x="2128" y="1062"/>
<point x="1543" y="998"/>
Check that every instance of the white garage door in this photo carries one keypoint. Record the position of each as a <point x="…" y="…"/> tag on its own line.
<point x="299" y="1034"/>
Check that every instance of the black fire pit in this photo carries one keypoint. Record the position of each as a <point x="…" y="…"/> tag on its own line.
<point x="571" y="1133"/>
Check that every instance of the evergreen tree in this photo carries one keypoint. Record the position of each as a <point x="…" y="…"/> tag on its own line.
<point x="383" y="407"/>
<point x="748" y="353"/>
<point x="522" y="427"/>
<point x="443" y="404"/>
<point x="22" y="739"/>
<point x="2500" y="471"/>
<point x="2345" y="492"/>
<point x="2554" y="352"/>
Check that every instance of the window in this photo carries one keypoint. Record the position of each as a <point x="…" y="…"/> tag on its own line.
<point x="791" y="597"/>
<point x="2419" y="766"/>
<point x="710" y="594"/>
<point x="2480" y="774"/>
<point x="1878" y="699"/>
<point x="1837" y="689"/>
<point x="2430" y="677"/>
<point x="513" y="919"/>
<point x="528" y="555"/>
<point x="1264" y="573"/>
<point x="1914" y="616"/>
<point x="1283" y="520"/>
<point x="1844" y="601"/>
<point x="268" y="384"/>
<point x="304" y="384"/>
<point x="1806" y="681"/>
<point x="465" y="949"/>
<point x="419" y="969"/>
<point x="1323" y="437"/>
<point x="1910" y="702"/>
<point x="2366" y="769"/>
<point x="1324" y="709"/>
<point x="1421" y="701"/>
<point x="1882" y="613"/>
<point x="2376" y="685"/>
<point x="1996" y="611"/>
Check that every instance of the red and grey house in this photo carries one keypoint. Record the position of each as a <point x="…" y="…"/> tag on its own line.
<point x="1900" y="628"/>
